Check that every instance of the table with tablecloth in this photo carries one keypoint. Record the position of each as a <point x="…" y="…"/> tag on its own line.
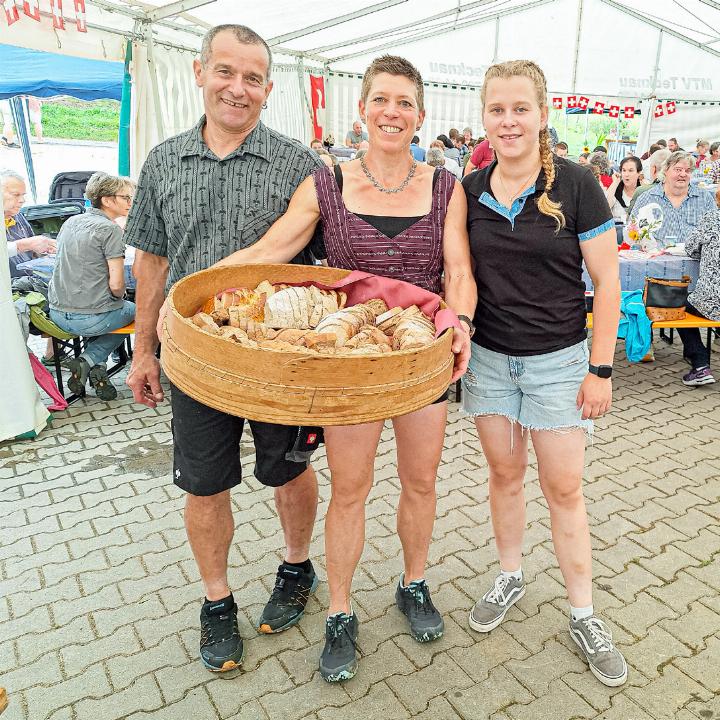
<point x="634" y="271"/>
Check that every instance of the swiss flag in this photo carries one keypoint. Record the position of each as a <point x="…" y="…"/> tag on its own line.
<point x="670" y="107"/>
<point x="614" y="111"/>
<point x="629" y="112"/>
<point x="11" y="11"/>
<point x="572" y="101"/>
<point x="583" y="102"/>
<point x="659" y="110"/>
<point x="557" y="103"/>
<point x="57" y="14"/>
<point x="32" y="9"/>
<point x="80" y="20"/>
<point x="317" y="90"/>
<point x="599" y="108"/>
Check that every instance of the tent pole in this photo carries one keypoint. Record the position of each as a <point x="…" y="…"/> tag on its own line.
<point x="303" y="94"/>
<point x="125" y="102"/>
<point x="578" y="34"/>
<point x="17" y="106"/>
<point x="160" y="129"/>
<point x="497" y="39"/>
<point x="326" y="124"/>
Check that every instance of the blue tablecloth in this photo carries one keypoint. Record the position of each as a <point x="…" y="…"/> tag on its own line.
<point x="634" y="272"/>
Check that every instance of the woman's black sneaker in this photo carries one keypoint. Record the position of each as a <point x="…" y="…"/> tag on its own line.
<point x="221" y="647"/>
<point x="426" y="623"/>
<point x="289" y="597"/>
<point x="339" y="660"/>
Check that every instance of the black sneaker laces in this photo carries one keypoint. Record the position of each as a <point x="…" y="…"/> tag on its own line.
<point x="212" y="625"/>
<point x="339" y="632"/>
<point x="421" y="594"/>
<point x="287" y="592"/>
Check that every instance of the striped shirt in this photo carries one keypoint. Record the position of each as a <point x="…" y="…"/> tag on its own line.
<point x="196" y="209"/>
<point x="414" y="255"/>
<point x="677" y="222"/>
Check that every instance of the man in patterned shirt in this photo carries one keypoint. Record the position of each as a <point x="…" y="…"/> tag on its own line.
<point x="201" y="196"/>
<point x="682" y="204"/>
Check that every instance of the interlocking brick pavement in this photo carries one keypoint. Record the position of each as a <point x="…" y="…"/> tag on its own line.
<point x="99" y="597"/>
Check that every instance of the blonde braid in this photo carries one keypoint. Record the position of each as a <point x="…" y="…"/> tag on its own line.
<point x="544" y="204"/>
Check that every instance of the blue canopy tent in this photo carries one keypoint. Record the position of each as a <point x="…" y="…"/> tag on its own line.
<point x="45" y="74"/>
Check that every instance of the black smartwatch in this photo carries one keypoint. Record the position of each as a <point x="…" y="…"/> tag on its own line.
<point x="469" y="323"/>
<point x="602" y="371"/>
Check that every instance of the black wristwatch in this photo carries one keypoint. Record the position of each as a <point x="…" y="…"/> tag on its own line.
<point x="602" y="371"/>
<point x="469" y="323"/>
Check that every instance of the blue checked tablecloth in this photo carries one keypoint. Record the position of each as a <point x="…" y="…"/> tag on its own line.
<point x="633" y="272"/>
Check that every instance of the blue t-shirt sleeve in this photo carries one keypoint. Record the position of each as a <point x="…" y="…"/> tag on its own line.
<point x="593" y="213"/>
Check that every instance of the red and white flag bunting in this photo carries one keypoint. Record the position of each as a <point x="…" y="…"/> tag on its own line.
<point x="659" y="110"/>
<point x="629" y="112"/>
<point x="670" y="107"/>
<point x="32" y="9"/>
<point x="599" y="108"/>
<point x="11" y="11"/>
<point x="57" y="14"/>
<point x="614" y="111"/>
<point x="557" y="103"/>
<point x="572" y="101"/>
<point x="583" y="102"/>
<point x="80" y="20"/>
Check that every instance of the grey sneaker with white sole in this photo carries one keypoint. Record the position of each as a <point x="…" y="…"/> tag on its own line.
<point x="490" y="610"/>
<point x="594" y="639"/>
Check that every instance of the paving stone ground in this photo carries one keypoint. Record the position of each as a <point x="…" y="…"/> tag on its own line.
<point x="99" y="595"/>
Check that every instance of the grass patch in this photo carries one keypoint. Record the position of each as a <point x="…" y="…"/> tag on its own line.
<point x="81" y="120"/>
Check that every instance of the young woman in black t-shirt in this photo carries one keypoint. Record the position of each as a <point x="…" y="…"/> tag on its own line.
<point x="533" y="218"/>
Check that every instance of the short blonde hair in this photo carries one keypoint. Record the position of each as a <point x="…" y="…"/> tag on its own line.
<point x="532" y="71"/>
<point x="102" y="185"/>
<point x="393" y="65"/>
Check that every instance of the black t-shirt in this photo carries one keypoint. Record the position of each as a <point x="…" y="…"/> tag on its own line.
<point x="530" y="289"/>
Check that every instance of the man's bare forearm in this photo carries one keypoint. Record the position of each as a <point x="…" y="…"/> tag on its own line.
<point x="150" y="271"/>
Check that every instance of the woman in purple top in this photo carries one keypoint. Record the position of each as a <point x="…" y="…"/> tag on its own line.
<point x="388" y="215"/>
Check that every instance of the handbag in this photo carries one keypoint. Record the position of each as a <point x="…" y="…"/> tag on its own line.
<point x="665" y="299"/>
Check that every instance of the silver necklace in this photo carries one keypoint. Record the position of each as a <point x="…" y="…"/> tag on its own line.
<point x="379" y="187"/>
<point x="522" y="186"/>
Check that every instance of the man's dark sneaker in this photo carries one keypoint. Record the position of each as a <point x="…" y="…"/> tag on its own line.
<point x="701" y="376"/>
<point x="426" y="623"/>
<point x="339" y="660"/>
<point x="79" y="371"/>
<point x="100" y="382"/>
<point x="288" y="599"/>
<point x="221" y="647"/>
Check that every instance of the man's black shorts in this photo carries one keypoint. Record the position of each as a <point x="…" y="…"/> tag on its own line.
<point x="207" y="448"/>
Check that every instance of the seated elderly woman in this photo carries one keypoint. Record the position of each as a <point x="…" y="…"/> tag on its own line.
<point x="88" y="284"/>
<point x="22" y="242"/>
<point x="703" y="243"/>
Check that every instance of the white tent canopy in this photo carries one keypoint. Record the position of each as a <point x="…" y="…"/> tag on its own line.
<point x="599" y="48"/>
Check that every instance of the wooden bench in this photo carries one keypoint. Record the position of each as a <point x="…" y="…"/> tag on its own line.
<point x="74" y="347"/>
<point x="689" y="321"/>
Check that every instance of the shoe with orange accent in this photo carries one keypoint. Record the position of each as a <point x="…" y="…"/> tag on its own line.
<point x="221" y="647"/>
<point x="289" y="597"/>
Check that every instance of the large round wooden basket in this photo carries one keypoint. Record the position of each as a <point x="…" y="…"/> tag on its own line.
<point x="292" y="388"/>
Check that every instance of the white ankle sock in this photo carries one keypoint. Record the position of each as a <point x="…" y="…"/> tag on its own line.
<point x="579" y="613"/>
<point x="516" y="574"/>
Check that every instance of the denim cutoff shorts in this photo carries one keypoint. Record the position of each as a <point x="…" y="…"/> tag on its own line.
<point x="537" y="391"/>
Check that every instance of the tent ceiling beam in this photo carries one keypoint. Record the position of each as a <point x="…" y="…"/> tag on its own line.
<point x="711" y="3"/>
<point x="663" y="28"/>
<point x="434" y="32"/>
<point x="334" y="21"/>
<point x="175" y="8"/>
<point x="139" y="15"/>
<point x="416" y="25"/>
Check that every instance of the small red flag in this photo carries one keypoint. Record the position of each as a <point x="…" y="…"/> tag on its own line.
<point x="57" y="14"/>
<point x="557" y="103"/>
<point x="32" y="9"/>
<point x="572" y="101"/>
<point x="629" y="112"/>
<point x="11" y="11"/>
<point x="599" y="108"/>
<point x="670" y="107"/>
<point x="614" y="111"/>
<point x="583" y="102"/>
<point x="659" y="110"/>
<point x="80" y="20"/>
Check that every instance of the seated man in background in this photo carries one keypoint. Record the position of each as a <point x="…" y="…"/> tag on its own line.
<point x="450" y="164"/>
<point x="561" y="149"/>
<point x="481" y="157"/>
<point x="435" y="157"/>
<point x="355" y="136"/>
<point x="415" y="150"/>
<point x="88" y="283"/>
<point x="682" y="204"/>
<point x="652" y="174"/>
<point x="316" y="145"/>
<point x="23" y="243"/>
